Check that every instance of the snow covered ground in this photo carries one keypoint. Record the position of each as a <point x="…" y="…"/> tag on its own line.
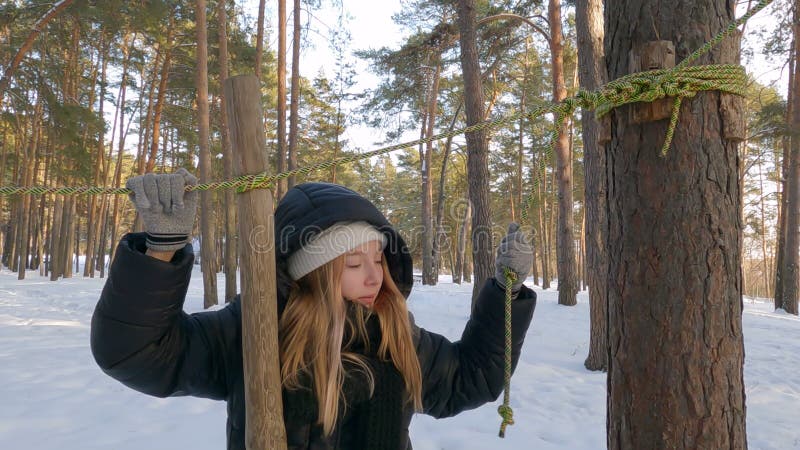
<point x="53" y="396"/>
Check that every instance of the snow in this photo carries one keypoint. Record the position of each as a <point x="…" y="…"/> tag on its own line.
<point x="55" y="397"/>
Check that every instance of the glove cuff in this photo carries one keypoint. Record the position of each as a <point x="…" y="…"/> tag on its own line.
<point x="166" y="242"/>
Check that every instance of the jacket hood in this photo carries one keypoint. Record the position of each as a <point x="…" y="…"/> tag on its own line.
<point x="309" y="208"/>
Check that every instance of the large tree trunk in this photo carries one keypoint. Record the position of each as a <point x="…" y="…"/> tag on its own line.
<point x="591" y="65"/>
<point x="675" y="286"/>
<point x="565" y="241"/>
<point x="208" y="254"/>
<point x="229" y="250"/>
<point x="792" y="246"/>
<point x="477" y="150"/>
<point x="294" y="107"/>
<point x="281" y="125"/>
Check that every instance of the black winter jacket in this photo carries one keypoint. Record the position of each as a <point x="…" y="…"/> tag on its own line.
<point x="142" y="337"/>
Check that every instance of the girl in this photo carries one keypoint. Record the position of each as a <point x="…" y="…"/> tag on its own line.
<point x="354" y="366"/>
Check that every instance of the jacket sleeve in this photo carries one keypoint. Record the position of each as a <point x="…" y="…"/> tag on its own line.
<point x="463" y="375"/>
<point x="141" y="336"/>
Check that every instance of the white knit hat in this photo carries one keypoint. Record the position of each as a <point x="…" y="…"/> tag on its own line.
<point x="336" y="240"/>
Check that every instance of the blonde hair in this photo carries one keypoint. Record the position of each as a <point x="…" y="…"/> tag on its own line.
<point x="312" y="330"/>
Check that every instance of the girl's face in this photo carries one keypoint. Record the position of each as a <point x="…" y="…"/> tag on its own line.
<point x="362" y="275"/>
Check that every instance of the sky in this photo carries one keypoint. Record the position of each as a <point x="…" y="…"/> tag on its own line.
<point x="370" y="26"/>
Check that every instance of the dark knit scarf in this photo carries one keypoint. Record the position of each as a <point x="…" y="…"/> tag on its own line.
<point x="365" y="422"/>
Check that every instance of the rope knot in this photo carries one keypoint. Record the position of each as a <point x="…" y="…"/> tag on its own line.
<point x="507" y="414"/>
<point x="250" y="182"/>
<point x="511" y="276"/>
<point x="570" y="104"/>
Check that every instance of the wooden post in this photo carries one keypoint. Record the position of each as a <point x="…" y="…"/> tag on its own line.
<point x="262" y="390"/>
<point x="650" y="56"/>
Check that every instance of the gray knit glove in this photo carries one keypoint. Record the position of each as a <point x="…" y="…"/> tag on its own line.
<point x="515" y="252"/>
<point x="167" y="211"/>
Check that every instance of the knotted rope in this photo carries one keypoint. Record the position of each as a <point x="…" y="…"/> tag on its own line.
<point x="505" y="410"/>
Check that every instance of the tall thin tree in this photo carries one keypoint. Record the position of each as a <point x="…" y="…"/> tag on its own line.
<point x="259" y="38"/>
<point x="592" y="69"/>
<point x="791" y="251"/>
<point x="565" y="240"/>
<point x="782" y="206"/>
<point x="281" y="88"/>
<point x="431" y="88"/>
<point x="477" y="149"/>
<point x="294" y="105"/>
<point x="229" y="206"/>
<point x="207" y="216"/>
<point x="161" y="99"/>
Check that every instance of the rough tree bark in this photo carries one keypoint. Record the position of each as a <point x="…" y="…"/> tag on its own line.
<point x="675" y="286"/>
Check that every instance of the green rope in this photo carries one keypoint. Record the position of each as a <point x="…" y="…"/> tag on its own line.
<point x="505" y="410"/>
<point x="262" y="180"/>
<point x="638" y="87"/>
<point x="679" y="82"/>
